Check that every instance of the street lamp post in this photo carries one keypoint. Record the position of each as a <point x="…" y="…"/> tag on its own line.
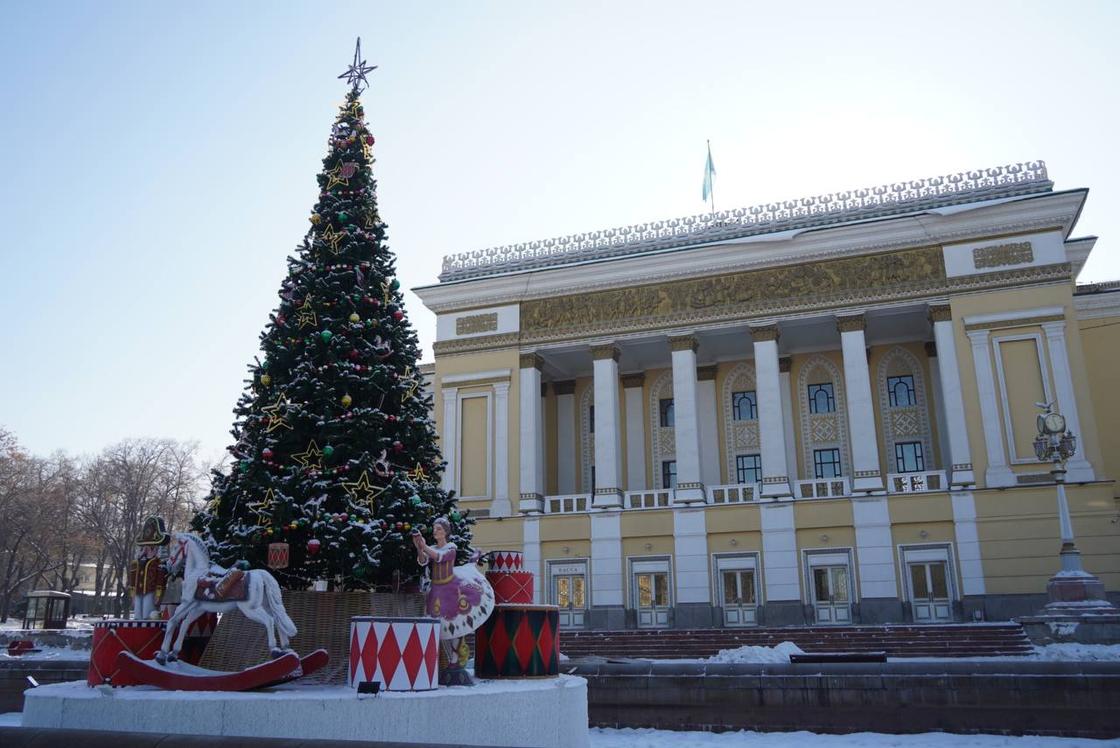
<point x="1072" y="588"/>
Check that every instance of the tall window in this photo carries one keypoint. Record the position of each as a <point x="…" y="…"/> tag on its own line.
<point x="908" y="457"/>
<point x="826" y="462"/>
<point x="592" y="419"/>
<point x="669" y="474"/>
<point x="667" y="415"/>
<point x="744" y="406"/>
<point x="900" y="391"/>
<point x="748" y="469"/>
<point x="821" y="398"/>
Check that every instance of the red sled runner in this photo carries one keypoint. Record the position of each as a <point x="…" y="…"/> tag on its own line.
<point x="180" y="676"/>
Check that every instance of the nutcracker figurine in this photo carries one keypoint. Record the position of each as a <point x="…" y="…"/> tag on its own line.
<point x="147" y="573"/>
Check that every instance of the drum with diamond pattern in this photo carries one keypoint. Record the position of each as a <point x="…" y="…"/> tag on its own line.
<point x="111" y="637"/>
<point x="506" y="561"/>
<point x="519" y="641"/>
<point x="402" y="654"/>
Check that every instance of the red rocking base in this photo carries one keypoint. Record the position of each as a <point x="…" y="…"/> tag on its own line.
<point x="180" y="676"/>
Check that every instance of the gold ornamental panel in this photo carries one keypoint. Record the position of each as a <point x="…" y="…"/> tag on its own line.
<point x="835" y="282"/>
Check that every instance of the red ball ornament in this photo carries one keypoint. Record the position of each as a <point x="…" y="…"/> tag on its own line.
<point x="397" y="446"/>
<point x="313" y="546"/>
<point x="266" y="453"/>
<point x="345" y="516"/>
<point x="399" y="526"/>
<point x="391" y="418"/>
<point x="354" y="354"/>
<point x="369" y="140"/>
<point x="398" y="315"/>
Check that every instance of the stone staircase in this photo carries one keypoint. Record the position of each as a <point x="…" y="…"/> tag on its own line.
<point x="950" y="640"/>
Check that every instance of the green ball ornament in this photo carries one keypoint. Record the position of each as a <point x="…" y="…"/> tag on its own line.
<point x="326" y="335"/>
<point x="455" y="516"/>
<point x="343" y="216"/>
<point x="328" y="451"/>
<point x="414" y="500"/>
<point x="394" y="284"/>
<point x="245" y="465"/>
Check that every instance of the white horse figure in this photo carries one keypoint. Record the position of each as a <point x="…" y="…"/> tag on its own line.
<point x="263" y="603"/>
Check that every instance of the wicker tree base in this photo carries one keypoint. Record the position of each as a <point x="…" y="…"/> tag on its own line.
<point x="323" y="620"/>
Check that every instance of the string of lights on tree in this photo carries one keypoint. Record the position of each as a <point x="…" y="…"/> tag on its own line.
<point x="334" y="458"/>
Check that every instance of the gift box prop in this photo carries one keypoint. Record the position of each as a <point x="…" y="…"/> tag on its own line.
<point x="110" y="638"/>
<point x="402" y="654"/>
<point x="519" y="641"/>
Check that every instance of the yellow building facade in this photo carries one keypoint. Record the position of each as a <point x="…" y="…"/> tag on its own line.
<point x="815" y="411"/>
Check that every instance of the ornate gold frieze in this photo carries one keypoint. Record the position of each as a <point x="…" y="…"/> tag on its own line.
<point x="1023" y="322"/>
<point x="683" y="343"/>
<point x="740" y="294"/>
<point x="530" y="361"/>
<point x="940" y="313"/>
<point x="476" y="323"/>
<point x="854" y="323"/>
<point x="765" y="332"/>
<point x="482" y="342"/>
<point x="1013" y="253"/>
<point x="633" y="380"/>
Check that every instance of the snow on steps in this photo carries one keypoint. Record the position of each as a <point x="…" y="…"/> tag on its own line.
<point x="961" y="640"/>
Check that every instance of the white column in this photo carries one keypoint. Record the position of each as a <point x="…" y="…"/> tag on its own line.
<point x="1078" y="468"/>
<point x="450" y="436"/>
<point x="874" y="548"/>
<point x="866" y="476"/>
<point x="997" y="473"/>
<point x="779" y="553"/>
<point x="968" y="543"/>
<point x="690" y="555"/>
<point x="784" y="366"/>
<point x="708" y="416"/>
<point x="565" y="436"/>
<point x="686" y="428"/>
<point x="501" y="506"/>
<point x="531" y="547"/>
<point x="959" y="459"/>
<point x="606" y="558"/>
<point x="635" y="431"/>
<point x="531" y="419"/>
<point x="771" y="423"/>
<point x="608" y="439"/>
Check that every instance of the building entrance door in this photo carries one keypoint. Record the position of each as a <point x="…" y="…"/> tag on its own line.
<point x="568" y="590"/>
<point x="929" y="591"/>
<point x="738" y="585"/>
<point x="832" y="599"/>
<point x="651" y="593"/>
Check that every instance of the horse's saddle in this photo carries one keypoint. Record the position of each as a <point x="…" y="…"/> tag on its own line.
<point x="231" y="587"/>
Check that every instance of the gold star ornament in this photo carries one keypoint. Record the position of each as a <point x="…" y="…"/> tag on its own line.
<point x="363" y="492"/>
<point x="306" y="314"/>
<point x="273" y="418"/>
<point x="332" y="238"/>
<point x="263" y="509"/>
<point x="312" y="457"/>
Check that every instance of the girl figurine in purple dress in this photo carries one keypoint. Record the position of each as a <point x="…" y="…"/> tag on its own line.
<point x="460" y="597"/>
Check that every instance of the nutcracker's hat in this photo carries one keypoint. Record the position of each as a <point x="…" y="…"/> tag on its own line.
<point x="154" y="532"/>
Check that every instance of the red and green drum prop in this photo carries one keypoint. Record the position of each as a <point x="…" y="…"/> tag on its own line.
<point x="402" y="654"/>
<point x="110" y="638"/>
<point x="519" y="641"/>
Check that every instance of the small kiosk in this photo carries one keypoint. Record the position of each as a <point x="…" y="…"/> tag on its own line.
<point x="46" y="609"/>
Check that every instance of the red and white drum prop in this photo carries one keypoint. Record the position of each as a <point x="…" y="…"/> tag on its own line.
<point x="511" y="587"/>
<point x="507" y="561"/>
<point x="519" y="641"/>
<point x="110" y="638"/>
<point x="402" y="654"/>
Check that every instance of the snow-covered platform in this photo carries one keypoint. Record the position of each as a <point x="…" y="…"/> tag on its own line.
<point x="549" y="713"/>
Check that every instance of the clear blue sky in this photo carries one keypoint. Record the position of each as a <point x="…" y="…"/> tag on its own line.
<point x="158" y="160"/>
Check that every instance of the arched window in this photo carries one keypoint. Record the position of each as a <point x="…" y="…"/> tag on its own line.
<point x="904" y="412"/>
<point x="664" y="440"/>
<point x="740" y="425"/>
<point x="824" y="420"/>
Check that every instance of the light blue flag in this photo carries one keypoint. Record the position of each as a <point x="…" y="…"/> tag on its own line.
<point x="709" y="172"/>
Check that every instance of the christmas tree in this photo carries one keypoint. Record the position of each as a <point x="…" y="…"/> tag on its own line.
<point x="335" y="452"/>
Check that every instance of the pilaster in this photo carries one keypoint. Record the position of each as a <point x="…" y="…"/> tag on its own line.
<point x="531" y="550"/>
<point x="997" y="473"/>
<point x="690" y="551"/>
<point x="608" y="439"/>
<point x="771" y="421"/>
<point x="959" y="457"/>
<point x="1078" y="469"/>
<point x="968" y="543"/>
<point x="635" y="431"/>
<point x="708" y="419"/>
<point x="450" y="446"/>
<point x="501" y="506"/>
<point x="874" y="547"/>
<point x="785" y="364"/>
<point x="606" y="559"/>
<point x="866" y="474"/>
<point x="779" y="553"/>
<point x="565" y="436"/>
<point x="690" y="487"/>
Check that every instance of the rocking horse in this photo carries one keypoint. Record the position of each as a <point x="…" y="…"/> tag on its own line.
<point x="211" y="589"/>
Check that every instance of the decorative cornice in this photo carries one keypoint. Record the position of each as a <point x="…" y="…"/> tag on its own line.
<point x="1020" y="322"/>
<point x="608" y="350"/>
<point x="940" y="313"/>
<point x="633" y="380"/>
<point x="530" y="361"/>
<point x="683" y="343"/>
<point x="481" y="342"/>
<point x="841" y="207"/>
<point x="853" y="323"/>
<point x="785" y="364"/>
<point x="706" y="373"/>
<point x="931" y="349"/>
<point x="564" y="388"/>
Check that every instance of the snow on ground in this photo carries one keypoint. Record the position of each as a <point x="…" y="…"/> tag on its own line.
<point x="630" y="738"/>
<point x="48" y="653"/>
<point x="748" y="653"/>
<point x="1071" y="652"/>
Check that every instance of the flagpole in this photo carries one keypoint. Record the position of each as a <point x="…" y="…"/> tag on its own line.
<point x="712" y="185"/>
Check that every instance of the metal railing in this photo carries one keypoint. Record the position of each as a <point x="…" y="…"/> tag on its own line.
<point x="821" y="488"/>
<point x="733" y="493"/>
<point x="652" y="498"/>
<point x="924" y="482"/>
<point x="570" y="504"/>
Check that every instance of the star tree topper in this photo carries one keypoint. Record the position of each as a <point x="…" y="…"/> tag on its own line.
<point x="355" y="75"/>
